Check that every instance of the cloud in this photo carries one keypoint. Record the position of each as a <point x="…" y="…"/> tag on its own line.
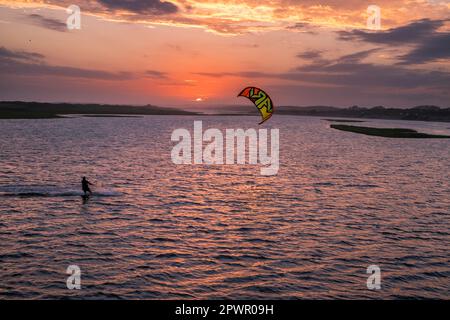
<point x="414" y="32"/>
<point x="431" y="49"/>
<point x="237" y="17"/>
<point x="303" y="27"/>
<point x="318" y="63"/>
<point x="48" y="23"/>
<point x="310" y="54"/>
<point x="156" y="74"/>
<point x="152" y="7"/>
<point x="350" y="73"/>
<point x="303" y="95"/>
<point x="427" y="42"/>
<point x="32" y="64"/>
<point x="357" y="56"/>
<point x="6" y="54"/>
<point x="348" y="80"/>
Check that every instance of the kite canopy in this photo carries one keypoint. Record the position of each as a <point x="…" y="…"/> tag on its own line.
<point x="261" y="100"/>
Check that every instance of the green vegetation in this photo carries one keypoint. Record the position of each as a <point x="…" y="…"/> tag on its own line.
<point x="37" y="110"/>
<point x="386" y="132"/>
<point x="108" y="116"/>
<point x="342" y="120"/>
<point x="419" y="113"/>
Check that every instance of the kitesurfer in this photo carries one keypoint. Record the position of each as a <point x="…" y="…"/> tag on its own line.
<point x="85" y="186"/>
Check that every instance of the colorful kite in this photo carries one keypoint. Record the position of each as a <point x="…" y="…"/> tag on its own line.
<point x="261" y="100"/>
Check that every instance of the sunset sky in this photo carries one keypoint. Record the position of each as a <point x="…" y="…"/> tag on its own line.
<point x="202" y="52"/>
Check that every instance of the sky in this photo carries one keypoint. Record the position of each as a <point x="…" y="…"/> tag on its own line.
<point x="202" y="53"/>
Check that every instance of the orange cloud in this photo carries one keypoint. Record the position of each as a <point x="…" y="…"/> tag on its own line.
<point x="236" y="17"/>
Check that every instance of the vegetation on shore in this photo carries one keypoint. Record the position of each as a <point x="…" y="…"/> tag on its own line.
<point x="109" y="116"/>
<point x="386" y="132"/>
<point x="343" y="120"/>
<point x="419" y="113"/>
<point x="38" y="110"/>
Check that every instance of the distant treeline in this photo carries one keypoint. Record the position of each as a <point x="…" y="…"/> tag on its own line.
<point x="422" y="113"/>
<point x="37" y="110"/>
<point x="30" y="110"/>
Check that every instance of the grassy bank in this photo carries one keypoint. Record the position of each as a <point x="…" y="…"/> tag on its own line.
<point x="386" y="132"/>
<point x="37" y="110"/>
<point x="342" y="120"/>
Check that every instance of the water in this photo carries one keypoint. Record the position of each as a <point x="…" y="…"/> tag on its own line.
<point x="340" y="203"/>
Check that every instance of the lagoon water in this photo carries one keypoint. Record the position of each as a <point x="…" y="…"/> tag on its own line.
<point x="340" y="202"/>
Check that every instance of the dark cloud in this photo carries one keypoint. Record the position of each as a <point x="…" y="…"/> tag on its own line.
<point x="414" y="33"/>
<point x="48" y="23"/>
<point x="306" y="95"/>
<point x="431" y="49"/>
<point x="32" y="64"/>
<point x="156" y="74"/>
<point x="299" y="25"/>
<point x="19" y="55"/>
<point x="152" y="7"/>
<point x="319" y="63"/>
<point x="370" y="76"/>
<point x="351" y="73"/>
<point x="310" y="54"/>
<point x="428" y="44"/>
<point x="356" y="57"/>
<point x="304" y="27"/>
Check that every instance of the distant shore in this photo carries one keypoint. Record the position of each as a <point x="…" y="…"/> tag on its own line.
<point x="388" y="132"/>
<point x="419" y="113"/>
<point x="40" y="110"/>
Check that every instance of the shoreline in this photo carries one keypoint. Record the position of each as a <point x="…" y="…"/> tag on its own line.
<point x="38" y="110"/>
<point x="387" y="132"/>
<point x="10" y="110"/>
<point x="138" y="116"/>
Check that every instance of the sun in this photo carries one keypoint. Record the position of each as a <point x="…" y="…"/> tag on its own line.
<point x="199" y="99"/>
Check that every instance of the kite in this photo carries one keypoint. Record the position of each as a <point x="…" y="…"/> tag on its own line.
<point x="261" y="100"/>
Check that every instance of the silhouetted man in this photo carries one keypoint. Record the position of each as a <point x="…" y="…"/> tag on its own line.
<point x="85" y="185"/>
